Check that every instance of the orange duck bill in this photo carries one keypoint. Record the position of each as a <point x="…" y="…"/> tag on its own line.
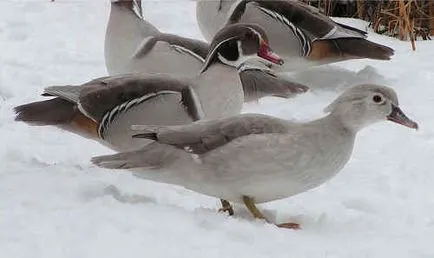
<point x="266" y="53"/>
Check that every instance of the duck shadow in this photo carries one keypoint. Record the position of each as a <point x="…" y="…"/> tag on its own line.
<point x="332" y="77"/>
<point x="116" y="194"/>
<point x="241" y="212"/>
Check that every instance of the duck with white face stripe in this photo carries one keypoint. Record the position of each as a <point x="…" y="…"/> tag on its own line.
<point x="134" y="45"/>
<point x="243" y="46"/>
<point x="105" y="108"/>
<point x="300" y="33"/>
<point x="253" y="51"/>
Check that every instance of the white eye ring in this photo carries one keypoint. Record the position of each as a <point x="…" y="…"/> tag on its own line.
<point x="378" y="99"/>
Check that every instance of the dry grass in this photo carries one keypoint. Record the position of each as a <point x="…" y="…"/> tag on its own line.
<point x="404" y="19"/>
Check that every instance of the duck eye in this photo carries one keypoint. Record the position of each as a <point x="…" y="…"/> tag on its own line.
<point x="377" y="99"/>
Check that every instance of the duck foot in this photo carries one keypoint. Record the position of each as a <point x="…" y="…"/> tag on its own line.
<point x="226" y="207"/>
<point x="250" y="204"/>
<point x="294" y="226"/>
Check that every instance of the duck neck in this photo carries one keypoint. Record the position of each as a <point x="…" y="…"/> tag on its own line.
<point x="123" y="16"/>
<point x="125" y="31"/>
<point x="219" y="69"/>
<point x="334" y="123"/>
<point x="332" y="143"/>
<point x="220" y="91"/>
<point x="350" y="118"/>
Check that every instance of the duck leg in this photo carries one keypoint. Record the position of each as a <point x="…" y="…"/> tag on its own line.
<point x="250" y="204"/>
<point x="226" y="207"/>
<point x="253" y="209"/>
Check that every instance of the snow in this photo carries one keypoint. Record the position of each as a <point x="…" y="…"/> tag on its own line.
<point x="54" y="203"/>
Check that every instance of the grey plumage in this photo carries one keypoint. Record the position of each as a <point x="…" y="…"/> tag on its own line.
<point x="256" y="84"/>
<point x="70" y="93"/>
<point x="197" y="47"/>
<point x="121" y="89"/>
<point x="133" y="44"/>
<point x="258" y="156"/>
<point x="157" y="156"/>
<point x="216" y="133"/>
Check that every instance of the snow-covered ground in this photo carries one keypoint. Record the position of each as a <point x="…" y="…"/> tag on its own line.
<point x="54" y="203"/>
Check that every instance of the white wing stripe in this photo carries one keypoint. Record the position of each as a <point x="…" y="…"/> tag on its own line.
<point x="109" y="116"/>
<point x="304" y="41"/>
<point x="187" y="51"/>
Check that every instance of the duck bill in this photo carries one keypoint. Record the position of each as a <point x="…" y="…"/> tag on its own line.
<point x="399" y="117"/>
<point x="266" y="53"/>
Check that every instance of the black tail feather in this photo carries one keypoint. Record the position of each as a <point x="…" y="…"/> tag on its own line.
<point x="49" y="112"/>
<point x="362" y="48"/>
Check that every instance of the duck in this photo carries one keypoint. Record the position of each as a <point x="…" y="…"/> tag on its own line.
<point x="104" y="109"/>
<point x="253" y="158"/>
<point x="134" y="45"/>
<point x="300" y="33"/>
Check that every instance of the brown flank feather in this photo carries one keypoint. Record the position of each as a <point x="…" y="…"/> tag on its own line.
<point x="83" y="124"/>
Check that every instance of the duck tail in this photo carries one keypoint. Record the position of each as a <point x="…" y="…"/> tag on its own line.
<point x="349" y="48"/>
<point x="57" y="112"/>
<point x="48" y="112"/>
<point x="152" y="156"/>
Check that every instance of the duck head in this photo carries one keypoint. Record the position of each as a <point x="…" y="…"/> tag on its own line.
<point x="133" y="5"/>
<point x="242" y="46"/>
<point x="366" y="104"/>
